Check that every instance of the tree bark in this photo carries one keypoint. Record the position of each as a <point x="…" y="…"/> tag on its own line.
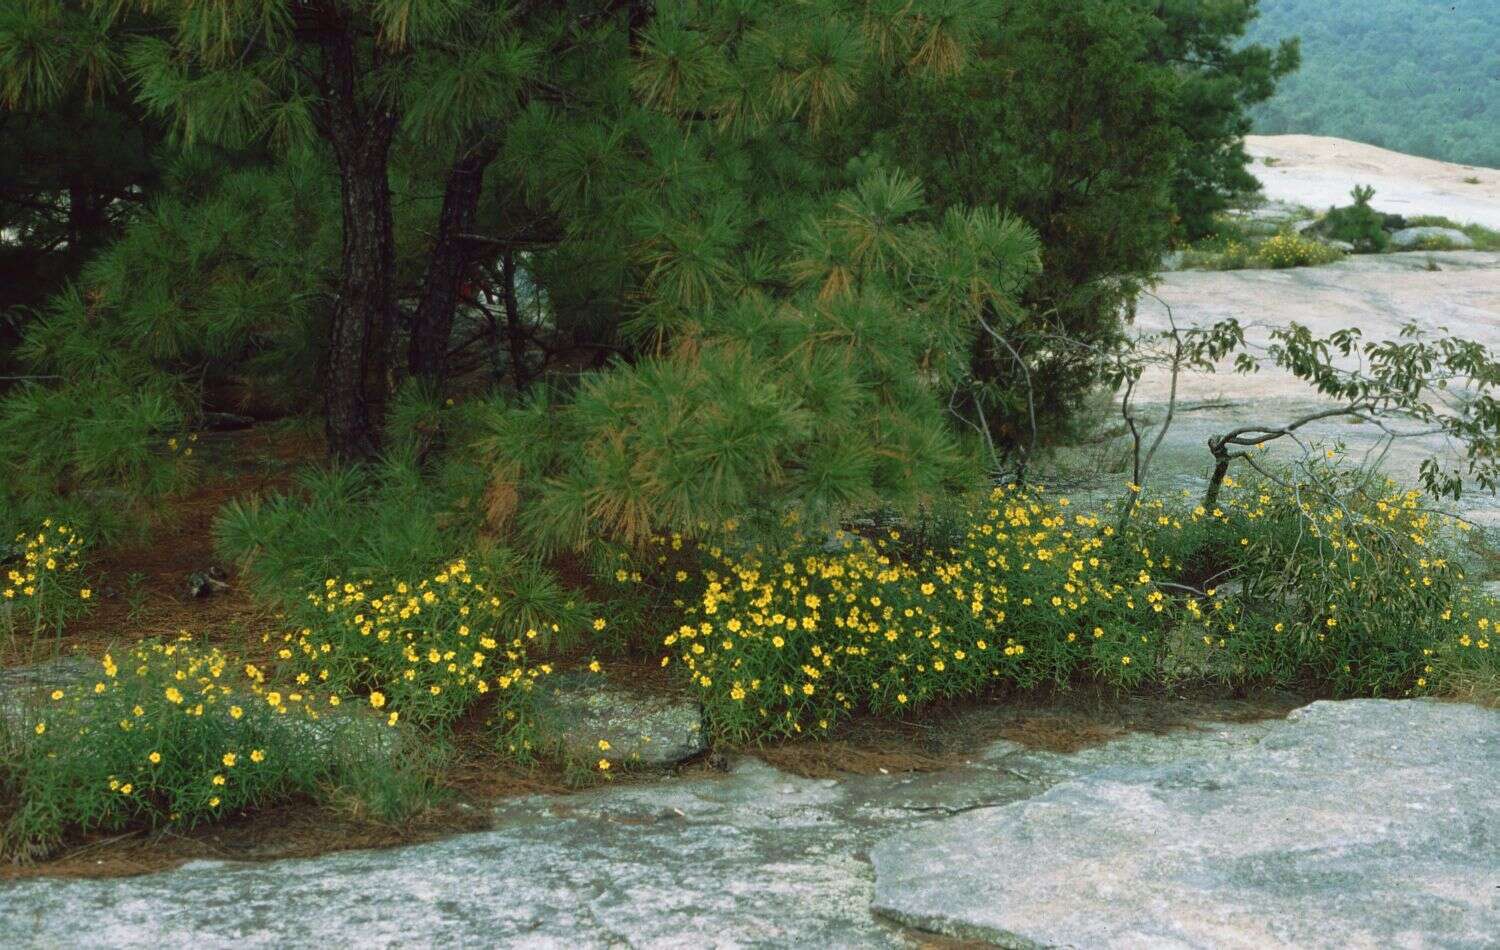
<point x="86" y="220"/>
<point x="513" y="330"/>
<point x="357" y="382"/>
<point x="452" y="256"/>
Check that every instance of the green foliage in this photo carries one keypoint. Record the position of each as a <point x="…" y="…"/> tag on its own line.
<point x="76" y="157"/>
<point x="1219" y="254"/>
<point x="201" y="302"/>
<point x="1233" y="248"/>
<point x="815" y="405"/>
<point x="362" y="560"/>
<point x="408" y="511"/>
<point x="1064" y="119"/>
<point x="389" y="790"/>
<point x="1234" y="245"/>
<point x="1222" y="76"/>
<point x="704" y="280"/>
<point x="1285" y="585"/>
<point x="41" y="581"/>
<point x="801" y="341"/>
<point x="426" y="651"/>
<point x="169" y="735"/>
<point x="1438" y="381"/>
<point x="1358" y="224"/>
<point x="801" y="232"/>
<point x="1411" y="75"/>
<point x="799" y="229"/>
<point x="98" y="449"/>
<point x="366" y="522"/>
<point x="1341" y="584"/>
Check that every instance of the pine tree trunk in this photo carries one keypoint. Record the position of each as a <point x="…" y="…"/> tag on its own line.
<point x="357" y="380"/>
<point x="513" y="329"/>
<point x="86" y="220"/>
<point x="451" y="257"/>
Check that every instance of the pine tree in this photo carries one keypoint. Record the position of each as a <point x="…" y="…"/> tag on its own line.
<point x="74" y="164"/>
<point x="1066" y="121"/>
<point x="212" y="297"/>
<point x="730" y="258"/>
<point x="350" y="79"/>
<point x="1222" y="78"/>
<point x="798" y="311"/>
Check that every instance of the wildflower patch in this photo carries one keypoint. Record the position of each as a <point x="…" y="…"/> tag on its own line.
<point x="1342" y="594"/>
<point x="163" y="734"/>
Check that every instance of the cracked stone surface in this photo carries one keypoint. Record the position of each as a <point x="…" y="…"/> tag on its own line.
<point x="1364" y="823"/>
<point x="22" y="687"/>
<point x="753" y="858"/>
<point x="1416" y="237"/>
<point x="1367" y="823"/>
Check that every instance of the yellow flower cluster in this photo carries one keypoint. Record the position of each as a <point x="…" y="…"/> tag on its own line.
<point x="1293" y="250"/>
<point x="1273" y="585"/>
<point x="1475" y="631"/>
<point x="48" y="564"/>
<point x="180" y="447"/>
<point x="191" y="680"/>
<point x="779" y="644"/>
<point x="425" y="649"/>
<point x="167" y="731"/>
<point x="1234" y="255"/>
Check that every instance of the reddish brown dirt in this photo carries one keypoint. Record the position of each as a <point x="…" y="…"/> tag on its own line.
<point x="944" y="737"/>
<point x="179" y="543"/>
<point x="291" y="831"/>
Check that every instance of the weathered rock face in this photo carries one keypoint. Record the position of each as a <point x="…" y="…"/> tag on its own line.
<point x="752" y="858"/>
<point x="1318" y="172"/>
<point x="1419" y="237"/>
<point x="1367" y="823"/>
<point x="578" y="710"/>
<point x="749" y="860"/>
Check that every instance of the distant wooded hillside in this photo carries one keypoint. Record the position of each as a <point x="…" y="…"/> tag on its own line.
<point x="1417" y="76"/>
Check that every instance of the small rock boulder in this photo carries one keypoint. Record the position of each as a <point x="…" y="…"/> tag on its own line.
<point x="577" y="710"/>
<point x="1264" y="227"/>
<point x="1277" y="211"/>
<point x="24" y="687"/>
<point x="207" y="582"/>
<point x="1409" y="238"/>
